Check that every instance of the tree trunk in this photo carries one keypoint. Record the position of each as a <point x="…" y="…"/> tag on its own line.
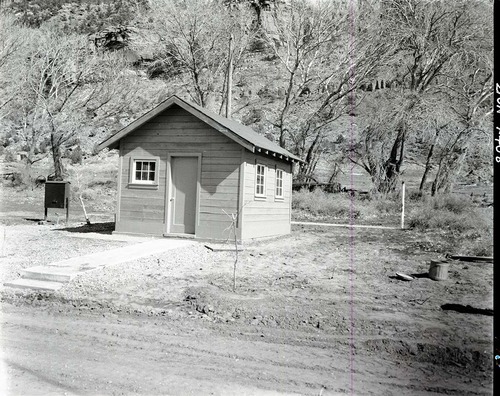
<point x="393" y="164"/>
<point x="282" y="141"/>
<point x="428" y="163"/>
<point x="434" y="186"/>
<point x="454" y="171"/>
<point x="56" y="156"/>
<point x="311" y="159"/>
<point x="334" y="174"/>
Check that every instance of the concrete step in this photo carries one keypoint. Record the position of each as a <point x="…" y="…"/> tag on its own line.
<point x="48" y="273"/>
<point x="23" y="283"/>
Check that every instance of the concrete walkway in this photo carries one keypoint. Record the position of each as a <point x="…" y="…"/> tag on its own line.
<point x="54" y="276"/>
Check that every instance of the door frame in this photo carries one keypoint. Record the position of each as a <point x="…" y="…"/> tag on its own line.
<point x="169" y="190"/>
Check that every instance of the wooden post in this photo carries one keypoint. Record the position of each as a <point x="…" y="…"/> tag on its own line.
<point x="67" y="210"/>
<point x="85" y="212"/>
<point x="403" y="206"/>
<point x="229" y="78"/>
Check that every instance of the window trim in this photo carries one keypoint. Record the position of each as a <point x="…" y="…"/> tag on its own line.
<point x="264" y="175"/>
<point x="281" y="196"/>
<point x="152" y="184"/>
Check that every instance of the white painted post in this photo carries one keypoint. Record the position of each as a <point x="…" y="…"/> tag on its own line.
<point x="403" y="206"/>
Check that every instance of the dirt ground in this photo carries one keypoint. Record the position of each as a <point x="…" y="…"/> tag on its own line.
<point x="319" y="312"/>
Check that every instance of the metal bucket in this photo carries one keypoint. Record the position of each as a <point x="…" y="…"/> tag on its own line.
<point x="439" y="270"/>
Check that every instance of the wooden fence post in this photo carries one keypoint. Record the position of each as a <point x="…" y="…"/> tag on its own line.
<point x="403" y="206"/>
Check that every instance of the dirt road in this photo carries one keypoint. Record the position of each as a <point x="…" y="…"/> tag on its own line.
<point x="62" y="354"/>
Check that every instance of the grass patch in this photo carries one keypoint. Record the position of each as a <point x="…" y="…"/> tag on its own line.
<point x="329" y="207"/>
<point x="446" y="213"/>
<point x="95" y="181"/>
<point x="317" y="203"/>
<point x="459" y="218"/>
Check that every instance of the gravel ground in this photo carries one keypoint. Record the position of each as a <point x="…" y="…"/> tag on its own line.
<point x="29" y="245"/>
<point x="314" y="285"/>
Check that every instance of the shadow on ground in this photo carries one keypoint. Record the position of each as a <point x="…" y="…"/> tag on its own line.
<point x="467" y="309"/>
<point x="421" y="275"/>
<point x="100" y="228"/>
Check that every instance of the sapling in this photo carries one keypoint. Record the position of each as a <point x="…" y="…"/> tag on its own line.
<point x="232" y="228"/>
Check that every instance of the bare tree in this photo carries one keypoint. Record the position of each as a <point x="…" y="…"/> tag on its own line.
<point x="470" y="101"/>
<point x="428" y="39"/>
<point x="192" y="43"/>
<point x="12" y="38"/>
<point x="323" y="62"/>
<point x="64" y="85"/>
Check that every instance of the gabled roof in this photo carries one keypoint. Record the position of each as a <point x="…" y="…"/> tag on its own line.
<point x="241" y="134"/>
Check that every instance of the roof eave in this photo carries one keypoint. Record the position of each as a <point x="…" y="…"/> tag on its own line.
<point x="290" y="158"/>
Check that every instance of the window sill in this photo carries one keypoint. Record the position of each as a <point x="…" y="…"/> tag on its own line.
<point x="260" y="198"/>
<point x="140" y="186"/>
<point x="279" y="199"/>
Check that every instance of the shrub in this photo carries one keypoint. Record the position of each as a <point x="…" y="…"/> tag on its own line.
<point x="89" y="194"/>
<point x="452" y="203"/>
<point x="449" y="213"/>
<point x="22" y="177"/>
<point x="387" y="205"/>
<point x="76" y="156"/>
<point x="9" y="156"/>
<point x="18" y="180"/>
<point x="43" y="148"/>
<point x="480" y="247"/>
<point x="103" y="183"/>
<point x="416" y="196"/>
<point x="319" y="203"/>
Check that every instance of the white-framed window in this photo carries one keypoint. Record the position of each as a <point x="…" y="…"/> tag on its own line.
<point x="144" y="171"/>
<point x="260" y="180"/>
<point x="279" y="183"/>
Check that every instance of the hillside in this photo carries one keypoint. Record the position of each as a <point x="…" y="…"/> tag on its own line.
<point x="85" y="69"/>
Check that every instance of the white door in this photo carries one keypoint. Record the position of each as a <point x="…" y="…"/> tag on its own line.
<point x="183" y="194"/>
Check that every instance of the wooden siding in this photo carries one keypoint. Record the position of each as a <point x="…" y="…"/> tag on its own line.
<point x="266" y="216"/>
<point x="177" y="131"/>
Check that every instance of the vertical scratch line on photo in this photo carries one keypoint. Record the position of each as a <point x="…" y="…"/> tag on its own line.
<point x="352" y="98"/>
<point x="3" y="238"/>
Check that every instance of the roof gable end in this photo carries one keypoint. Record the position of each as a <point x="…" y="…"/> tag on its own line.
<point x="241" y="134"/>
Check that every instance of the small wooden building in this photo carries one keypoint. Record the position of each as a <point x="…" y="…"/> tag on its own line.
<point x="186" y="170"/>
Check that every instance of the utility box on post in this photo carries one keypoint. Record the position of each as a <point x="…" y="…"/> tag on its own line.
<point x="57" y="196"/>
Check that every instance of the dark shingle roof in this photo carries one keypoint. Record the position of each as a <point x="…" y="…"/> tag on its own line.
<point x="240" y="133"/>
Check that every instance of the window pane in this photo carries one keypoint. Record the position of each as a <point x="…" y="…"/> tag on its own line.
<point x="259" y="179"/>
<point x="279" y="183"/>
<point x="144" y="171"/>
